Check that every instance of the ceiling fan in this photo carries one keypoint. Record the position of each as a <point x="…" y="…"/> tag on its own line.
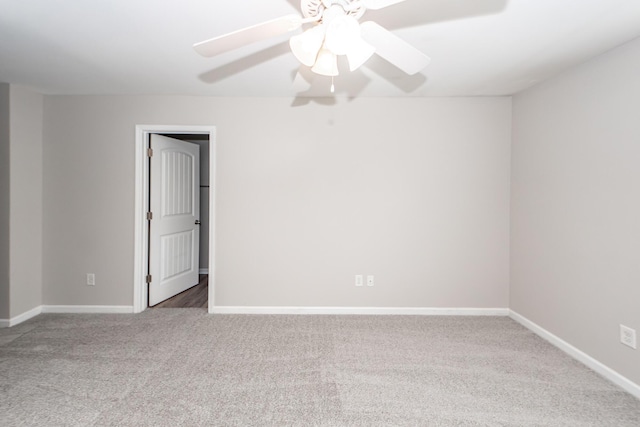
<point x="335" y="30"/>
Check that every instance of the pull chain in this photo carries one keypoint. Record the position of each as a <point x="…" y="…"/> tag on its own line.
<point x="333" y="88"/>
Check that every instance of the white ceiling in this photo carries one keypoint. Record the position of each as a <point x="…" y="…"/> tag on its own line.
<point x="478" y="47"/>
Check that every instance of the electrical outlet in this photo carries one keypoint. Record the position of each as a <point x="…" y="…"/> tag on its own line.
<point x="359" y="280"/>
<point x="370" y="280"/>
<point x="628" y="336"/>
<point x="91" y="279"/>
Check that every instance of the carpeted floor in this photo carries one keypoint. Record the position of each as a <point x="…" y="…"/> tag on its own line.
<point x="183" y="367"/>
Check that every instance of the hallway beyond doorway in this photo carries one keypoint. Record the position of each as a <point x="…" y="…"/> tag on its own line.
<point x="195" y="297"/>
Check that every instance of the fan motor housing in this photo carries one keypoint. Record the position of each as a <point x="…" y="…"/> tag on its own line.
<point x="316" y="8"/>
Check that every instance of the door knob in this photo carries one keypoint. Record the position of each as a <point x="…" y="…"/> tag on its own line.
<point x="197" y="222"/>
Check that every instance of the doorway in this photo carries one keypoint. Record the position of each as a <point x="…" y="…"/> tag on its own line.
<point x="175" y="218"/>
<point x="205" y="137"/>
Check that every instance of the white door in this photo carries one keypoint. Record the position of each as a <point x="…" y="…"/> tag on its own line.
<point x="174" y="235"/>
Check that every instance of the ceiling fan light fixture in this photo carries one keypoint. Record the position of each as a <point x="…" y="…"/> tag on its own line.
<point x="342" y="33"/>
<point x="326" y="63"/>
<point x="335" y="31"/>
<point x="305" y="46"/>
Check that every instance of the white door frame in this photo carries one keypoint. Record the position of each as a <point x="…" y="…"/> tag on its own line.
<point x="141" y="251"/>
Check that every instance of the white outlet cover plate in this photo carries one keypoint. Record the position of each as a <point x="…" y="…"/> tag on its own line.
<point x="628" y="336"/>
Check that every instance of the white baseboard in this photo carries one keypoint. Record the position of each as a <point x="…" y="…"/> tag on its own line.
<point x="6" y="323"/>
<point x="203" y="271"/>
<point x="116" y="309"/>
<point x="413" y="311"/>
<point x="579" y="355"/>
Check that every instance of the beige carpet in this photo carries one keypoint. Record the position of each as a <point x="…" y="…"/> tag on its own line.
<point x="183" y="367"/>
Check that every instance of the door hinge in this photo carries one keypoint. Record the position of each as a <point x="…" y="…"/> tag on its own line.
<point x="149" y="152"/>
<point x="148" y="278"/>
<point x="149" y="216"/>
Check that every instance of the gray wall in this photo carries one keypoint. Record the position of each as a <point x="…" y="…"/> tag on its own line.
<point x="21" y="120"/>
<point x="204" y="202"/>
<point x="414" y="191"/>
<point x="4" y="200"/>
<point x="26" y="200"/>
<point x="205" y="192"/>
<point x="575" y="234"/>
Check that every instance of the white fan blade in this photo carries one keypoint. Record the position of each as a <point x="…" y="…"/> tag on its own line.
<point x="379" y="4"/>
<point x="393" y="48"/>
<point x="245" y="36"/>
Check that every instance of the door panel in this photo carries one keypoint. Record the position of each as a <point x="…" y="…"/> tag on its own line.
<point x="176" y="253"/>
<point x="175" y="205"/>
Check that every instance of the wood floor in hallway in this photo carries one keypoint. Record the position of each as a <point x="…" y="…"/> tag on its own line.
<point x="195" y="297"/>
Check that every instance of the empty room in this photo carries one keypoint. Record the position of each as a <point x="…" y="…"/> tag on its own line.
<point x="320" y="212"/>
